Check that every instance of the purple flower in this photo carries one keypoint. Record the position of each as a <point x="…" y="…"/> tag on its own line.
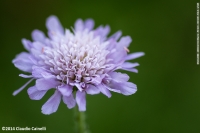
<point x="80" y="62"/>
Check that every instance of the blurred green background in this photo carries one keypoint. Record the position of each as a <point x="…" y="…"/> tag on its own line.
<point x="168" y="96"/>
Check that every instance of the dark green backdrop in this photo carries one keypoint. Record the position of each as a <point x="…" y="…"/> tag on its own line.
<point x="168" y="96"/>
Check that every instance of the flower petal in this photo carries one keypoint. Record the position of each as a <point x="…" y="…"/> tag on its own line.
<point x="119" y="56"/>
<point x="89" y="24"/>
<point x="129" y="64"/>
<point x="102" y="31"/>
<point x="38" y="35"/>
<point x="47" y="75"/>
<point x="97" y="80"/>
<point x="125" y="41"/>
<point x="46" y="84"/>
<point x="23" y="62"/>
<point x="79" y="25"/>
<point x="69" y="101"/>
<point x="116" y="35"/>
<point x="38" y="72"/>
<point x="54" y="25"/>
<point x="65" y="90"/>
<point x="27" y="44"/>
<point x="119" y="77"/>
<point x="78" y="86"/>
<point x="130" y="69"/>
<point x="37" y="49"/>
<point x="35" y="94"/>
<point x="80" y="99"/>
<point x="126" y="88"/>
<point x="134" y="55"/>
<point x="91" y="89"/>
<point x="25" y="76"/>
<point x="113" y="90"/>
<point x="104" y="90"/>
<point x="52" y="104"/>
<point x="33" y="60"/>
<point x="21" y="88"/>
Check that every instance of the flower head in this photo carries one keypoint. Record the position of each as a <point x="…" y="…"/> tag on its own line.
<point x="80" y="62"/>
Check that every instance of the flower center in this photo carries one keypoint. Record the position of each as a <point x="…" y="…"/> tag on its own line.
<point x="75" y="57"/>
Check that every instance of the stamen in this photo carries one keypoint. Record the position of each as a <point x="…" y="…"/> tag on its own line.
<point x="42" y="49"/>
<point x="127" y="50"/>
<point x="53" y="33"/>
<point x="73" y="30"/>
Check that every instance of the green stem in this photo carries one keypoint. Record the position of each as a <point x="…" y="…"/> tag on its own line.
<point x="80" y="123"/>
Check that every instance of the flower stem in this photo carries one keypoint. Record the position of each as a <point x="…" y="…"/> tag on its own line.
<point x="80" y="122"/>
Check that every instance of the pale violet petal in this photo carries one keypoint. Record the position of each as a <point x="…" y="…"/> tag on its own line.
<point x="27" y="44"/>
<point x="25" y="76"/>
<point x="46" y="84"/>
<point x="81" y="101"/>
<point x="104" y="90"/>
<point x="97" y="80"/>
<point x="91" y="89"/>
<point x="79" y="25"/>
<point x="118" y="57"/>
<point x="21" y="88"/>
<point x="54" y="25"/>
<point x="102" y="31"/>
<point x="134" y="55"/>
<point x="47" y="75"/>
<point x="126" y="88"/>
<point x="23" y="62"/>
<point x="116" y="35"/>
<point x="52" y="104"/>
<point x="113" y="90"/>
<point x="78" y="86"/>
<point x="118" y="77"/>
<point x="65" y="90"/>
<point x="69" y="101"/>
<point x="89" y="24"/>
<point x="33" y="60"/>
<point x="125" y="41"/>
<point x="129" y="65"/>
<point x="39" y="72"/>
<point x="130" y="69"/>
<point x="38" y="35"/>
<point x="35" y="94"/>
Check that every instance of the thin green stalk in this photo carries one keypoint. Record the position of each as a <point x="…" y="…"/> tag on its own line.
<point x="80" y="122"/>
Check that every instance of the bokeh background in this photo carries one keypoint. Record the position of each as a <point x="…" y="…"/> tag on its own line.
<point x="168" y="96"/>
